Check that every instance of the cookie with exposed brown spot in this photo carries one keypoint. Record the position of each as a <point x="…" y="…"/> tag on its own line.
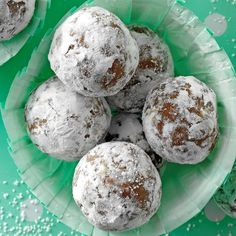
<point x="155" y="64"/>
<point x="15" y="15"/>
<point x="113" y="198"/>
<point x="63" y="123"/>
<point x="93" y="53"/>
<point x="180" y="120"/>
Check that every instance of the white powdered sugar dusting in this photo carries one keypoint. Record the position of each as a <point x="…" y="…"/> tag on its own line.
<point x="116" y="186"/>
<point x="15" y="15"/>
<point x="128" y="128"/>
<point x="94" y="53"/>
<point x="65" y="124"/>
<point x="180" y="120"/>
<point x="155" y="65"/>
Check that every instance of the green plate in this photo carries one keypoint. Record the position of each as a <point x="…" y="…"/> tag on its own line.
<point x="185" y="192"/>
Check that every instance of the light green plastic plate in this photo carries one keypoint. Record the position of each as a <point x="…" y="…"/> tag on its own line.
<point x="186" y="189"/>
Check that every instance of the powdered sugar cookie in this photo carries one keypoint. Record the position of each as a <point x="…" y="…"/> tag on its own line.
<point x="94" y="53"/>
<point x="155" y="65"/>
<point x="65" y="124"/>
<point x="15" y="15"/>
<point x="180" y="120"/>
<point x="116" y="186"/>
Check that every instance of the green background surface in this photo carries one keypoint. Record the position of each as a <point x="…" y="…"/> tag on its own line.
<point x="13" y="192"/>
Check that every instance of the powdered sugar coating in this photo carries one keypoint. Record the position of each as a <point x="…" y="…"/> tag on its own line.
<point x="15" y="15"/>
<point x="155" y="65"/>
<point x="128" y="128"/>
<point x="94" y="53"/>
<point x="65" y="124"/>
<point x="180" y="120"/>
<point x="116" y="186"/>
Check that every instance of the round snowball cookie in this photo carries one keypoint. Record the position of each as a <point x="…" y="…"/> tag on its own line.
<point x="155" y="65"/>
<point x="15" y="15"/>
<point x="94" y="53"/>
<point x="65" y="124"/>
<point x="180" y="120"/>
<point x="116" y="186"/>
<point x="128" y="128"/>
